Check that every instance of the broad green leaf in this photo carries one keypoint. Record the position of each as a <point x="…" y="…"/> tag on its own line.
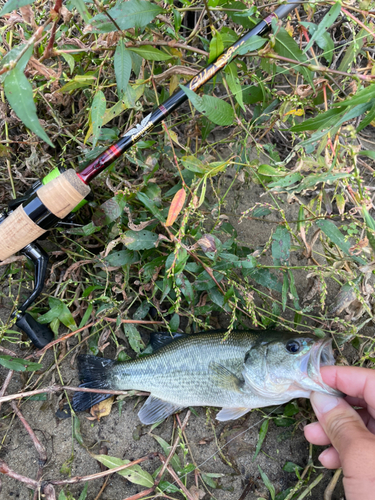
<point x="216" y="47"/>
<point x="267" y="483"/>
<point x="215" y="109"/>
<point x="131" y="14"/>
<point x="81" y="7"/>
<point x="322" y="120"/>
<point x="354" y="112"/>
<point x="253" y="43"/>
<point x="134" y="474"/>
<point x="83" y="494"/>
<point x="58" y="310"/>
<point x="353" y="49"/>
<point x="324" y="41"/>
<point x="369" y="153"/>
<point x="239" y="13"/>
<point x="286" y="181"/>
<point x="367" y="120"/>
<point x="70" y="60"/>
<point x="79" y="81"/>
<point x="134" y="338"/>
<point x="325" y="23"/>
<point x="313" y="179"/>
<point x="121" y="258"/>
<point x="285" y="46"/>
<point x="123" y="67"/>
<point x="19" y="365"/>
<point x="281" y="246"/>
<point x="139" y="240"/>
<point x="19" y="93"/>
<point x="110" y="210"/>
<point x="234" y="83"/>
<point x="77" y="430"/>
<point x="175" y="461"/>
<point x="151" y="205"/>
<point x="62" y="496"/>
<point x="262" y="434"/>
<point x="291" y="467"/>
<point x="336" y="236"/>
<point x="12" y="56"/>
<point x="264" y="277"/>
<point x="150" y="53"/>
<point x="362" y="96"/>
<point x="12" y="5"/>
<point x="97" y="112"/>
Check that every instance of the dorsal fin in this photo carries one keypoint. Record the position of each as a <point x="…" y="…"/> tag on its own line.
<point x="161" y="339"/>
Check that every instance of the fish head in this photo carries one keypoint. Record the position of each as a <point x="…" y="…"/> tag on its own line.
<point x="284" y="364"/>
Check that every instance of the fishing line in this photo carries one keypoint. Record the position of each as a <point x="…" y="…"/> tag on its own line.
<point x="220" y="449"/>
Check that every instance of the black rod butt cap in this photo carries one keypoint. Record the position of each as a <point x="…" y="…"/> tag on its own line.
<point x="40" y="335"/>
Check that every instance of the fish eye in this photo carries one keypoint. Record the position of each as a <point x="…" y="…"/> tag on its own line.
<point x="293" y="346"/>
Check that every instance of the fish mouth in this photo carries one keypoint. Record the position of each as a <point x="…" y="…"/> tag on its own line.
<point x="322" y="355"/>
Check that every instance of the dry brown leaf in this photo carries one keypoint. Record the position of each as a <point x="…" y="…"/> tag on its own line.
<point x="102" y="409"/>
<point x="28" y="15"/>
<point x="176" y="206"/>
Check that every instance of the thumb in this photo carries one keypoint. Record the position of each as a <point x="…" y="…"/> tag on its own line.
<point x="343" y="426"/>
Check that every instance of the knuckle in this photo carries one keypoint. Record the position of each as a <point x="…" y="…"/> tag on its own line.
<point x="340" y="430"/>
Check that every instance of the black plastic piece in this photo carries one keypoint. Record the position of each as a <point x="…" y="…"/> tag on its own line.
<point x="40" y="335"/>
<point x="13" y="204"/>
<point x="40" y="260"/>
<point x="35" y="209"/>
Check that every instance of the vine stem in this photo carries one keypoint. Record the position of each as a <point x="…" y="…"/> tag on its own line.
<point x="313" y="67"/>
<point x="34" y="39"/>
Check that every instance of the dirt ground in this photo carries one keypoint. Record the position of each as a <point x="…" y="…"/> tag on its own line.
<point x="125" y="438"/>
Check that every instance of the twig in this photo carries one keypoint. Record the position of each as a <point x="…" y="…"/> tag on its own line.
<point x="141" y="494"/>
<point x="176" y="478"/>
<point x="314" y="67"/>
<point x="7" y="380"/>
<point x="33" y="39"/>
<point x="56" y="388"/>
<point x="332" y="484"/>
<point x="82" y="479"/>
<point x="30" y="483"/>
<point x="173" y="449"/>
<point x="171" y="43"/>
<point x="38" y="445"/>
<point x="93" y="323"/>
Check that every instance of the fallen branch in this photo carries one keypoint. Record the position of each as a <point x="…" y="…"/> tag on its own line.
<point x="38" y="445"/>
<point x="56" y="388"/>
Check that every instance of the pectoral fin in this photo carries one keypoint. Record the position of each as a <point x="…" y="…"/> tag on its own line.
<point x="225" y="378"/>
<point x="231" y="413"/>
<point x="154" y="410"/>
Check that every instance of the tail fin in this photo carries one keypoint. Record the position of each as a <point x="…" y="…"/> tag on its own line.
<point x="95" y="374"/>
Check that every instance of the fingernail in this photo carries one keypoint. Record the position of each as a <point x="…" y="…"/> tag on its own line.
<point x="323" y="403"/>
<point x="323" y="454"/>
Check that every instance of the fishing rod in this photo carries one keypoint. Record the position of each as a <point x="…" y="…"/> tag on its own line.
<point x="62" y="192"/>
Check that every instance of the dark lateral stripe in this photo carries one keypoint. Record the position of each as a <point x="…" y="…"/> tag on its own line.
<point x="39" y="213"/>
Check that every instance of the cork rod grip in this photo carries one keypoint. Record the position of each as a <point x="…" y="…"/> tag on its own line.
<point x="30" y="220"/>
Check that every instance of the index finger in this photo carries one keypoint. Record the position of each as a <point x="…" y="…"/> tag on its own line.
<point x="351" y="380"/>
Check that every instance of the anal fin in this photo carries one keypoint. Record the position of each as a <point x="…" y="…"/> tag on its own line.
<point x="231" y="413"/>
<point x="154" y="410"/>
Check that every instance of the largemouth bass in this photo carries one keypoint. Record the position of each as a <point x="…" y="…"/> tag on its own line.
<point x="249" y="370"/>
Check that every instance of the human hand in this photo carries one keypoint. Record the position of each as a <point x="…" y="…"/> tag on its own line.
<point x="351" y="432"/>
